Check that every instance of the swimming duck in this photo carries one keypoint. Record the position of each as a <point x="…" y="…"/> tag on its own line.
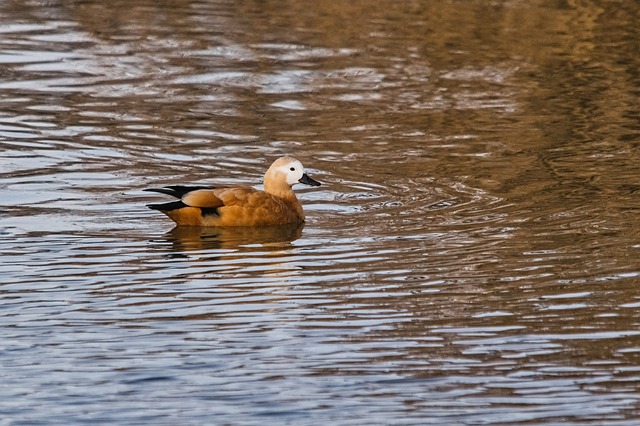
<point x="240" y="206"/>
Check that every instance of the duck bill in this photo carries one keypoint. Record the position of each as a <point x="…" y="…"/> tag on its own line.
<point x="305" y="179"/>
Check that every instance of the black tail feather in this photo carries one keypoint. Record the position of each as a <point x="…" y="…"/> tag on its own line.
<point x="175" y="205"/>
<point x="164" y="207"/>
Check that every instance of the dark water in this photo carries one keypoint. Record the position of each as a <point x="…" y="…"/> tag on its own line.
<point x="471" y="258"/>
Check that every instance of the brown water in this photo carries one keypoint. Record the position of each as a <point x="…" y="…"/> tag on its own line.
<point x="471" y="258"/>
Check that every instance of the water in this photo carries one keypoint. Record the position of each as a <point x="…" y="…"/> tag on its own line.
<point x="471" y="258"/>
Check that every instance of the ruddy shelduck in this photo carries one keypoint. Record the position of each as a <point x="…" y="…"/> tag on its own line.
<point x="240" y="206"/>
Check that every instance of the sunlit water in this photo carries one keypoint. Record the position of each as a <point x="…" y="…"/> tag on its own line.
<point x="471" y="258"/>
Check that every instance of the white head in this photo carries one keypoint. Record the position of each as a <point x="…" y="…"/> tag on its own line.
<point x="287" y="170"/>
<point x="292" y="169"/>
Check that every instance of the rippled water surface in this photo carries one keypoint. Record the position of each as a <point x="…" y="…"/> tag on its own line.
<point x="471" y="257"/>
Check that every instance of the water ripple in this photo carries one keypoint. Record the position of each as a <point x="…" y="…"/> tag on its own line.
<point x="470" y="257"/>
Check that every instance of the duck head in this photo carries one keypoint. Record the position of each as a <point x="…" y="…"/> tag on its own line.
<point x="284" y="173"/>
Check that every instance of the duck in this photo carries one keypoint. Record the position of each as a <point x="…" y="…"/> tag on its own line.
<point x="210" y="206"/>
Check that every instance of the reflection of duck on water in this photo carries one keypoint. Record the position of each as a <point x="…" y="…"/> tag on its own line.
<point x="240" y="206"/>
<point x="192" y="238"/>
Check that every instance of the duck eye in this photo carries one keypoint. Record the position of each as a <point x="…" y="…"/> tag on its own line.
<point x="293" y="169"/>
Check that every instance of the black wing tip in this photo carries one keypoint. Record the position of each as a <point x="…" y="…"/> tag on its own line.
<point x="177" y="191"/>
<point x="166" y="191"/>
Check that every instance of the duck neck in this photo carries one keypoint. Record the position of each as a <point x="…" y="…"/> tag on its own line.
<point x="281" y="191"/>
<point x="286" y="194"/>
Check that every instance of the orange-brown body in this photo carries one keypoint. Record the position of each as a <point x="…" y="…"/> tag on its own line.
<point x="241" y="206"/>
<point x="237" y="207"/>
